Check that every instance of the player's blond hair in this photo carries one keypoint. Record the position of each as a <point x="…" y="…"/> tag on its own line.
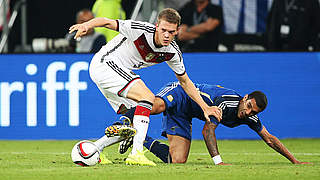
<point x="170" y="15"/>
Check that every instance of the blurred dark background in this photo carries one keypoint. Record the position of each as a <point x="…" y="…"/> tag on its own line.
<point x="46" y="18"/>
<point x="249" y="25"/>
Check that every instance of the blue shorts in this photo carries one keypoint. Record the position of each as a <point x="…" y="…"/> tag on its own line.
<point x="176" y="120"/>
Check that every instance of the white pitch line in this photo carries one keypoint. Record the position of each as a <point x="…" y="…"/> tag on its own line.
<point x="200" y="154"/>
<point x="259" y="154"/>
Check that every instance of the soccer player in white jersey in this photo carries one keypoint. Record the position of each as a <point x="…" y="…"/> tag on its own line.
<point x="138" y="45"/>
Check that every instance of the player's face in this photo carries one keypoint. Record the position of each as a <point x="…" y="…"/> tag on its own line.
<point x="165" y="33"/>
<point x="247" y="108"/>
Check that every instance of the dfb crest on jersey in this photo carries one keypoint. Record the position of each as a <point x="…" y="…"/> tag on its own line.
<point x="150" y="56"/>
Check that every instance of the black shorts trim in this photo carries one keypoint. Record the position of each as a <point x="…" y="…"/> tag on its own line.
<point x="181" y="74"/>
<point x="125" y="87"/>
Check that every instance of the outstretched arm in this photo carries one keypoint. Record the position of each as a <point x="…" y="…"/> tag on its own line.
<point x="209" y="136"/>
<point x="193" y="93"/>
<point x="83" y="28"/>
<point x="275" y="144"/>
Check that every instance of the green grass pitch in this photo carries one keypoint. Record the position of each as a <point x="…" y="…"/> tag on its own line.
<point x="251" y="159"/>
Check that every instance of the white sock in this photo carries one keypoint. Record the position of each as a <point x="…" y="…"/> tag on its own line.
<point x="141" y="123"/>
<point x="105" y="141"/>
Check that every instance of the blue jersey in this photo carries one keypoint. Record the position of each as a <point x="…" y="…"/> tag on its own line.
<point x="180" y="108"/>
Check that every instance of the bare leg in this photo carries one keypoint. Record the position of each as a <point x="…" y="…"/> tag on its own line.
<point x="179" y="148"/>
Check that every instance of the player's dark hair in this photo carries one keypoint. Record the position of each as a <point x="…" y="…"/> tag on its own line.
<point x="261" y="99"/>
<point x="170" y="15"/>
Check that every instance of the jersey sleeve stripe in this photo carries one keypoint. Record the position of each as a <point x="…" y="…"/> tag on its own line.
<point x="254" y="118"/>
<point x="174" y="45"/>
<point x="167" y="89"/>
<point x="143" y="26"/>
<point x="227" y="95"/>
<point x="135" y="25"/>
<point x="144" y="29"/>
<point x="231" y="104"/>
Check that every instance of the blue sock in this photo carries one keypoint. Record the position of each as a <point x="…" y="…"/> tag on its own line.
<point x="157" y="148"/>
<point x="129" y="114"/>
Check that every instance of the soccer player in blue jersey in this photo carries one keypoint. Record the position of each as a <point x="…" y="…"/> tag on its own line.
<point x="179" y="109"/>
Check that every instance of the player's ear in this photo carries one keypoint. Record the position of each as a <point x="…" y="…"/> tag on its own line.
<point x="245" y="97"/>
<point x="178" y="29"/>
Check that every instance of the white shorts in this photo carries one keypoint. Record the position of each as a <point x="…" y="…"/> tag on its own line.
<point x="114" y="81"/>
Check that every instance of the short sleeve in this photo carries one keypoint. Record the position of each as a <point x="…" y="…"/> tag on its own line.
<point x="125" y="28"/>
<point x="254" y="123"/>
<point x="133" y="29"/>
<point x="177" y="66"/>
<point x="176" y="63"/>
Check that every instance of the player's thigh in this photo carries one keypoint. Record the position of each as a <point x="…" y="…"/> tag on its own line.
<point x="119" y="104"/>
<point x="113" y="80"/>
<point x="179" y="148"/>
<point x="139" y="91"/>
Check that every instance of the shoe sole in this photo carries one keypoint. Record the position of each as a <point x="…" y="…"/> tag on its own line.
<point x="123" y="131"/>
<point x="125" y="145"/>
<point x="127" y="132"/>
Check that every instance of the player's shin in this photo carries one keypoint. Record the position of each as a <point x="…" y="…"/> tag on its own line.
<point x="159" y="149"/>
<point x="141" y="123"/>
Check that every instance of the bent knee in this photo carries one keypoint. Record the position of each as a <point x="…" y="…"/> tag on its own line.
<point x="178" y="157"/>
<point x="158" y="106"/>
<point x="180" y="160"/>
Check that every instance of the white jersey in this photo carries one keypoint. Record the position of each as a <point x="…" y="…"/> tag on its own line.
<point x="135" y="48"/>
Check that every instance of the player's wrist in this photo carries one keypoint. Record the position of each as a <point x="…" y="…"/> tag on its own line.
<point x="217" y="159"/>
